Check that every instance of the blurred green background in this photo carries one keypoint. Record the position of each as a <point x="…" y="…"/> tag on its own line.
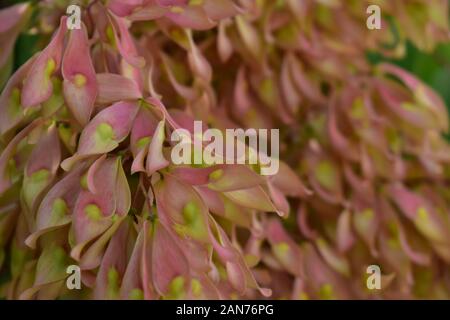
<point x="433" y="68"/>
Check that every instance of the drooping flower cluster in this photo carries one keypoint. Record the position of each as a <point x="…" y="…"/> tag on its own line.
<point x="86" y="176"/>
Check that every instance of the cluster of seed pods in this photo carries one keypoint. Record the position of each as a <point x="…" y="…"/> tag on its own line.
<point x="87" y="179"/>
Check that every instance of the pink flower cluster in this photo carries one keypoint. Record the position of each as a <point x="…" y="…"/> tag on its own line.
<point x="86" y="177"/>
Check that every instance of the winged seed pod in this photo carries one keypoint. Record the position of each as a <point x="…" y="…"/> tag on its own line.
<point x="87" y="178"/>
